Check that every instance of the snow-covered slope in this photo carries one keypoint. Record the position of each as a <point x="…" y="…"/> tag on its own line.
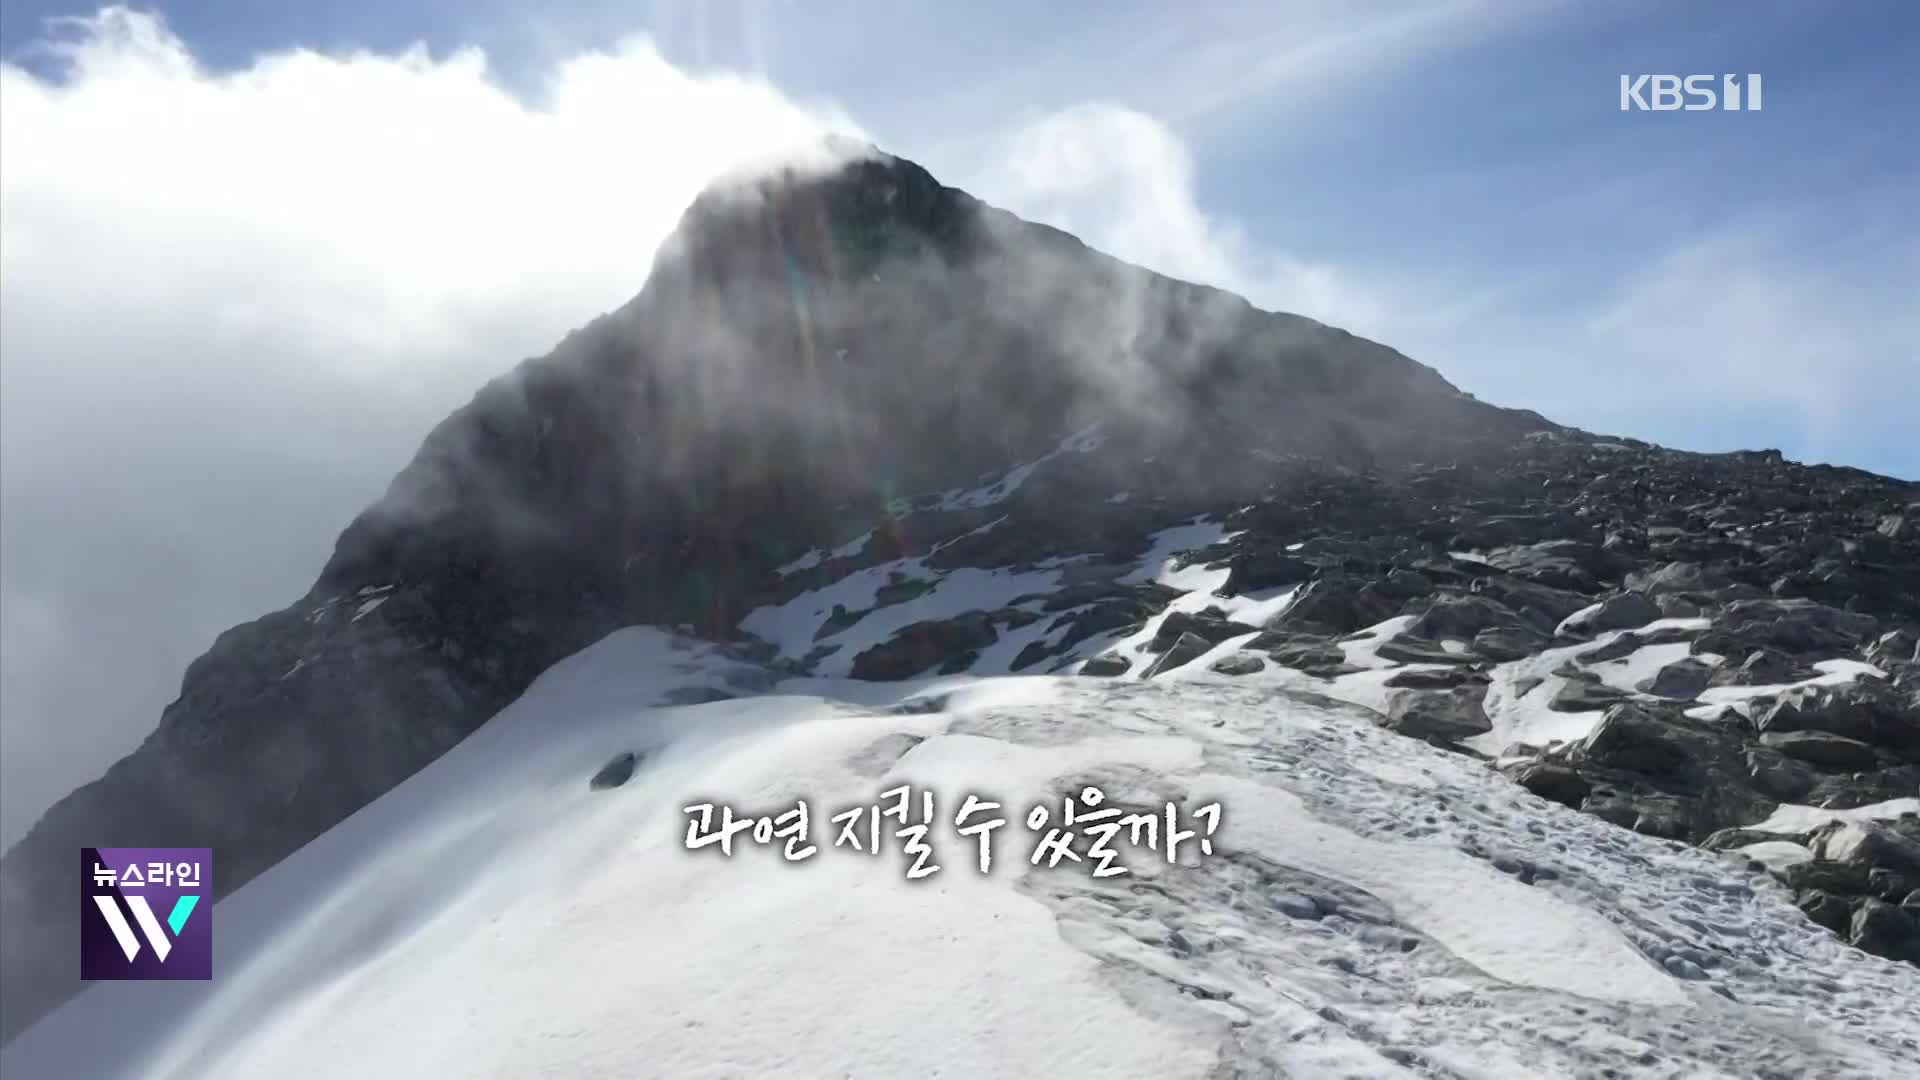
<point x="1372" y="907"/>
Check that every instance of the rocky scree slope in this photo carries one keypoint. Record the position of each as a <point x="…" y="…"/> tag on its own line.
<point x="1719" y="650"/>
<point x="854" y="382"/>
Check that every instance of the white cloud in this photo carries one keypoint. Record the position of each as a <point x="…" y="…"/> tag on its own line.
<point x="1124" y="182"/>
<point x="234" y="303"/>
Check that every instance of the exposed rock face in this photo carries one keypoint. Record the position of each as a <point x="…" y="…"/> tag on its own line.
<point x="1860" y="880"/>
<point x="828" y="373"/>
<point x="1438" y="716"/>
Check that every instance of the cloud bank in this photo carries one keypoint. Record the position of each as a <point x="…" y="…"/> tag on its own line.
<point x="235" y="302"/>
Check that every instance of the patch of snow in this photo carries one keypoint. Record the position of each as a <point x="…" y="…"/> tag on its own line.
<point x="1081" y="442"/>
<point x="987" y="528"/>
<point x="1257" y="607"/>
<point x="1776" y="855"/>
<point x="1524" y="718"/>
<point x="1793" y="818"/>
<point x="1832" y="673"/>
<point x="1085" y="441"/>
<point x="1536" y="940"/>
<point x="852" y="547"/>
<point x="1133" y="647"/>
<point x="998" y="658"/>
<point x="1627" y="672"/>
<point x="1368" y="689"/>
<point x="367" y="607"/>
<point x="1253" y="609"/>
<point x="1159" y="563"/>
<point x="493" y="916"/>
<point x="1362" y="648"/>
<point x="805" y="562"/>
<point x="791" y="626"/>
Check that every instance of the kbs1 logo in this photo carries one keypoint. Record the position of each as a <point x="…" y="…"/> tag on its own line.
<point x="145" y="913"/>
<point x="1693" y="93"/>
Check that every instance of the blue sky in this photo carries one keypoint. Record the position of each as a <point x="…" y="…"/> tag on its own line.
<point x="251" y="251"/>
<point x="1457" y="154"/>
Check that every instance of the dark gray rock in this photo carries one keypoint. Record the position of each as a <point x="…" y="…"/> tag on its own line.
<point x="1437" y="716"/>
<point x="1821" y="748"/>
<point x="1503" y="645"/>
<point x="1265" y="569"/>
<point x="1403" y="584"/>
<point x="1623" y="611"/>
<point x="1554" y="782"/>
<point x="1682" y="680"/>
<point x="1866" y="845"/>
<point x="1106" y="665"/>
<point x="1585" y="695"/>
<point x="1868" y="711"/>
<point x="1761" y="667"/>
<point x="1650" y="813"/>
<point x="1210" y="625"/>
<point x="1890" y="931"/>
<point x="1835" y="714"/>
<point x="1541" y="607"/>
<point x="696" y="695"/>
<point x="1676" y="577"/>
<point x="1562" y="564"/>
<point x="1620" y="647"/>
<point x="1448" y="678"/>
<point x="1410" y="650"/>
<point x="1462" y="617"/>
<point x="1189" y="648"/>
<point x="1800" y="626"/>
<point x="1778" y="776"/>
<point x="1828" y="910"/>
<point x="923" y="646"/>
<point x="1334" y="605"/>
<point x="1638" y="739"/>
<point x="1304" y="655"/>
<point x="1894" y="647"/>
<point x="1239" y="663"/>
<point x="615" y="772"/>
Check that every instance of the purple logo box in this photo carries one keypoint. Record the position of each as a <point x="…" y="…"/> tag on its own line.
<point x="146" y="913"/>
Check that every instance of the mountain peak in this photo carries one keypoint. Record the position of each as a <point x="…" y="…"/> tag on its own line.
<point x="844" y="384"/>
<point x="833" y="208"/>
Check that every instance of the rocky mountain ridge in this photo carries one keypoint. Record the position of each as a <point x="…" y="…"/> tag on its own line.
<point x="858" y="423"/>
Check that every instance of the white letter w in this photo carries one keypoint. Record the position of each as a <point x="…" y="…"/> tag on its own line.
<point x="123" y="933"/>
